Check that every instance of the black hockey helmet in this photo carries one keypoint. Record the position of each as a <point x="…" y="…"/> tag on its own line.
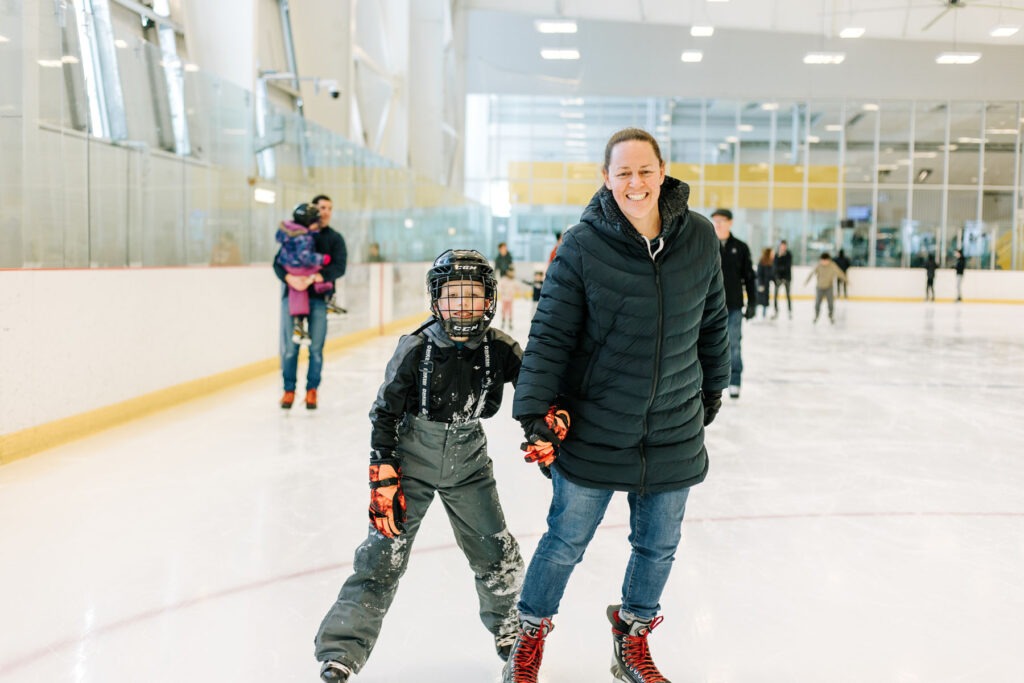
<point x="459" y="265"/>
<point x="305" y="214"/>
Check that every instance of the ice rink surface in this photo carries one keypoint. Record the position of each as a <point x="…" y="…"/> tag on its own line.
<point x="862" y="521"/>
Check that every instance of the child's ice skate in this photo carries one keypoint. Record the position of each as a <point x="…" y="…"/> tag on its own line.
<point x="299" y="334"/>
<point x="631" y="655"/>
<point x="333" y="307"/>
<point x="334" y="672"/>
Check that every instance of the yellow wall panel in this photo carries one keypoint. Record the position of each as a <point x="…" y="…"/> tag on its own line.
<point x="789" y="197"/>
<point x="823" y="174"/>
<point x="548" y="193"/>
<point x="718" y="173"/>
<point x="822" y="198"/>
<point x="518" y="192"/>
<point x="785" y="173"/>
<point x="688" y="173"/>
<point x="578" y="171"/>
<point x="753" y="173"/>
<point x="580" y="194"/>
<point x="548" y="169"/>
<point x="753" y="197"/>
<point x="718" y="196"/>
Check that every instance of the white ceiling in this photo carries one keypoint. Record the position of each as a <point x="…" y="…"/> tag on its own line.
<point x="942" y="21"/>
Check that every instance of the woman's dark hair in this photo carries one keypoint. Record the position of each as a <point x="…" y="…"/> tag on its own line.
<point x="625" y="135"/>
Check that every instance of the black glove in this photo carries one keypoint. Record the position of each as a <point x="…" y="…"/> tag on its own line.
<point x="750" y="312"/>
<point x="712" y="401"/>
<point x="536" y="428"/>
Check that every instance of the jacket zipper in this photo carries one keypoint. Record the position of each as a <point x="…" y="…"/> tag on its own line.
<point x="657" y="374"/>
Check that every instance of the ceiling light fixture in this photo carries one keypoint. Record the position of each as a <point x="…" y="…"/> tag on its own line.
<point x="824" y="57"/>
<point x="702" y="31"/>
<point x="692" y="56"/>
<point x="834" y="127"/>
<point x="852" y="32"/>
<point x="770" y="106"/>
<point x="958" y="58"/>
<point x="559" y="53"/>
<point x="1004" y="31"/>
<point x="923" y="174"/>
<point x="544" y="26"/>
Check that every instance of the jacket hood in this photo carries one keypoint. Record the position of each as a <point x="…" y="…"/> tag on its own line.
<point x="294" y="228"/>
<point x="604" y="213"/>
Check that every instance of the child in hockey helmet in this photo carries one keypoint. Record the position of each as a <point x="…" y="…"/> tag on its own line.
<point x="463" y="293"/>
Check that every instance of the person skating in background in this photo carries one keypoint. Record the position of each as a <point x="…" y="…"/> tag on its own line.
<point x="930" y="266"/>
<point x="298" y="256"/>
<point x="503" y="261"/>
<point x="554" y="249"/>
<point x="783" y="267"/>
<point x="427" y="439"/>
<point x="960" y="265"/>
<point x="630" y="341"/>
<point x="842" y="286"/>
<point x="507" y="289"/>
<point x="331" y="243"/>
<point x="738" y="277"/>
<point x="765" y="277"/>
<point x="826" y="272"/>
<point x="535" y="285"/>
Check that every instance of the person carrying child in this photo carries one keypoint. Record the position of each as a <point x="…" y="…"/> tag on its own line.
<point x="298" y="256"/>
<point x="426" y="438"/>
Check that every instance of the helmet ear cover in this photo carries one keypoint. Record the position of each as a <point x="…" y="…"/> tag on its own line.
<point x="460" y="265"/>
<point x="305" y="214"/>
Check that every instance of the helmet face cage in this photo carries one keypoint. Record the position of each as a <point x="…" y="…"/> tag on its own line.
<point x="462" y="265"/>
<point x="305" y="214"/>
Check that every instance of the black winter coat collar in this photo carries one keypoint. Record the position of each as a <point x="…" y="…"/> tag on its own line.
<point x="604" y="214"/>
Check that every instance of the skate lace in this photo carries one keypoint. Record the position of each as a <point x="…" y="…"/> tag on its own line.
<point x="636" y="654"/>
<point x="527" y="657"/>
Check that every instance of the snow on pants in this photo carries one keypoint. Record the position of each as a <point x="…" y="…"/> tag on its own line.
<point x="451" y="460"/>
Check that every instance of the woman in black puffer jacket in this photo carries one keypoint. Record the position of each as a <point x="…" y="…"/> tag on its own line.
<point x="630" y="338"/>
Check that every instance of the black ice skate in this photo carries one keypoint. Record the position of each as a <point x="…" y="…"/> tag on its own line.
<point x="299" y="334"/>
<point x="334" y="672"/>
<point x="333" y="307"/>
<point x="631" y="657"/>
<point x="526" y="653"/>
<point x="503" y="643"/>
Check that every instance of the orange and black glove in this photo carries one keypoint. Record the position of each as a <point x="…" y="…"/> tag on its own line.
<point x="544" y="434"/>
<point x="387" y="501"/>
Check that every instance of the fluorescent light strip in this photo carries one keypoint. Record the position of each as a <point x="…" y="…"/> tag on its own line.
<point x="543" y="26"/>
<point x="852" y="32"/>
<point x="4" y="39"/>
<point x="958" y="58"/>
<point x="834" y="127"/>
<point x="559" y="53"/>
<point x="702" y="31"/>
<point x="824" y="57"/>
<point x="1004" y="31"/>
<point x="692" y="56"/>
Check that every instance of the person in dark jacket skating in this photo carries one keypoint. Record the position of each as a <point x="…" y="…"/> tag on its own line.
<point x="330" y="243"/>
<point x="738" y="277"/>
<point x="783" y="266"/>
<point x="630" y="340"/>
<point x="442" y="380"/>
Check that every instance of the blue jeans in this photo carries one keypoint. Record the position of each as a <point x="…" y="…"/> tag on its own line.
<point x="655" y="528"/>
<point x="290" y="350"/>
<point x="735" y="337"/>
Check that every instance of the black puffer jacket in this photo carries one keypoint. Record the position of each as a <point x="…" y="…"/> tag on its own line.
<point x="626" y="342"/>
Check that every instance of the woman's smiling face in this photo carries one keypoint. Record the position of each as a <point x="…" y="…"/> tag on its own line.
<point x="634" y="176"/>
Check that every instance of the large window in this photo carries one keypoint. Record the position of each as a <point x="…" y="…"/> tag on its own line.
<point x="887" y="181"/>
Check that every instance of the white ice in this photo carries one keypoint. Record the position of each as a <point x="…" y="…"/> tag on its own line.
<point x="863" y="521"/>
